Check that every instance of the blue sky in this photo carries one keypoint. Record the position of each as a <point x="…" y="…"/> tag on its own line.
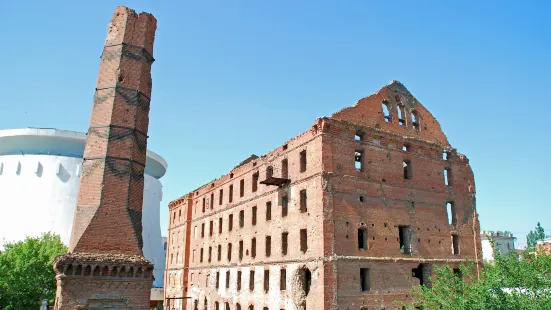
<point x="234" y="78"/>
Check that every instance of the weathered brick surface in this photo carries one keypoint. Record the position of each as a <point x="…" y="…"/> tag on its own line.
<point x="340" y="201"/>
<point x="109" y="207"/>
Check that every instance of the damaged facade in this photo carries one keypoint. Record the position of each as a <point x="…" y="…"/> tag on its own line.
<point x="348" y="215"/>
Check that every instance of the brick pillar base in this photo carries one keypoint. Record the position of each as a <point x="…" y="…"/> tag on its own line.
<point x="103" y="281"/>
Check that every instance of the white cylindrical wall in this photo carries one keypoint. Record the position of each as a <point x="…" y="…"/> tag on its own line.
<point x="38" y="194"/>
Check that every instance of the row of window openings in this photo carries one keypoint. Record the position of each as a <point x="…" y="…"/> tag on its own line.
<point x="359" y="136"/>
<point x="401" y="114"/>
<point x="284" y="212"/>
<point x="404" y="236"/>
<point x="305" y="278"/>
<point x="255" y="178"/>
<point x="406" y="165"/>
<point x="268" y="247"/>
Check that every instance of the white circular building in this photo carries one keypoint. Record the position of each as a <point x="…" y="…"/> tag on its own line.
<point x="39" y="178"/>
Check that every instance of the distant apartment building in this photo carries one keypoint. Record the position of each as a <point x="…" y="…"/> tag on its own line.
<point x="544" y="245"/>
<point x="503" y="244"/>
<point x="350" y="214"/>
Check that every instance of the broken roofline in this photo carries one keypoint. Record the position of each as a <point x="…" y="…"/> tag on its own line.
<point x="395" y="87"/>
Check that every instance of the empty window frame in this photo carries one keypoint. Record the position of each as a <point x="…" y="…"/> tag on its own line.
<point x="221" y="197"/>
<point x="201" y="256"/>
<point x="255" y="182"/>
<point x="386" y="111"/>
<point x="202" y="230"/>
<point x="219" y="252"/>
<point x="364" y="280"/>
<point x="240" y="250"/>
<point x="401" y="115"/>
<point x="303" y="201"/>
<point x="455" y="244"/>
<point x="359" y="136"/>
<point x="251" y="280"/>
<point x="239" y="280"/>
<point x="212" y="200"/>
<point x="204" y="203"/>
<point x="253" y="219"/>
<point x="422" y="272"/>
<point x="220" y="221"/>
<point x="253" y="247"/>
<point x="285" y="168"/>
<point x="362" y="239"/>
<point x="266" y="280"/>
<point x="303" y="241"/>
<point x="241" y="218"/>
<point x="406" y="147"/>
<point x="210" y="254"/>
<point x="448" y="176"/>
<point x="230" y="222"/>
<point x="404" y="235"/>
<point x="241" y="188"/>
<point x="217" y="279"/>
<point x="407" y="169"/>
<point x="268" y="210"/>
<point x="284" y="243"/>
<point x="283" y="279"/>
<point x="358" y="160"/>
<point x="269" y="172"/>
<point x="268" y="246"/>
<point x="305" y="279"/>
<point x="284" y="206"/>
<point x="415" y="119"/>
<point x="216" y="305"/>
<point x="303" y="161"/>
<point x="452" y="215"/>
<point x="229" y="251"/>
<point x="231" y="193"/>
<point x="228" y="279"/>
<point x="211" y="225"/>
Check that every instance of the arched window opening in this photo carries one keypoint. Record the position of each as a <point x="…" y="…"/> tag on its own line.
<point x="415" y="119"/>
<point x="386" y="111"/>
<point x="401" y="115"/>
<point x="269" y="172"/>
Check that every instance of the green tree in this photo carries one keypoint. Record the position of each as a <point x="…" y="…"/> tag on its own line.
<point x="26" y="273"/>
<point x="509" y="284"/>
<point x="534" y="236"/>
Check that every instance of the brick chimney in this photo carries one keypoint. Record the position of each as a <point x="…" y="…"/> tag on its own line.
<point x="105" y="266"/>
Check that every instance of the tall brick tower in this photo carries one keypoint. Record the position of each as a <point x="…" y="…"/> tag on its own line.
<point x="105" y="267"/>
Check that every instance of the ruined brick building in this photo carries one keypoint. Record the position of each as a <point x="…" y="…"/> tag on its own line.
<point x="105" y="267"/>
<point x="348" y="215"/>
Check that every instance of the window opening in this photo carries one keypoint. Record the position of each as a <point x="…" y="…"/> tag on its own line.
<point x="221" y="198"/>
<point x="405" y="239"/>
<point x="240" y="249"/>
<point x="359" y="136"/>
<point x="306" y="280"/>
<point x="254" y="216"/>
<point x="364" y="279"/>
<point x="266" y="280"/>
<point x="204" y="204"/>
<point x="303" y="240"/>
<point x="217" y="279"/>
<point x="239" y="280"/>
<point x="253" y="247"/>
<point x="201" y="257"/>
<point x="422" y="272"/>
<point x="219" y="252"/>
<point x="229" y="251"/>
<point x="268" y="246"/>
<point x="212" y="200"/>
<point x="283" y="280"/>
<point x="241" y="218"/>
<point x="268" y="210"/>
<point x="216" y="306"/>
<point x="445" y="155"/>
<point x="458" y="273"/>
<point x="228" y="279"/>
<point x="251" y="280"/>
<point x="241" y="188"/>
<point x="210" y="254"/>
<point x="455" y="244"/>
<point x="210" y="228"/>
<point x="255" y="182"/>
<point x="303" y="204"/>
<point x="303" y="161"/>
<point x="220" y="225"/>
<point x="284" y="242"/>
<point x="269" y="172"/>
<point x="284" y="206"/>
<point x="401" y="118"/>
<point x="414" y="120"/>
<point x="386" y="111"/>
<point x="358" y="160"/>
<point x="230" y="222"/>
<point x="447" y="176"/>
<point x="406" y="148"/>
<point x="407" y="169"/>
<point x="285" y="168"/>
<point x="231" y="193"/>
<point x="362" y="239"/>
<point x="452" y="217"/>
